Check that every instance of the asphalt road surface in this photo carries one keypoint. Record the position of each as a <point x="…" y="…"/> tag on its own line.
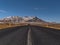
<point x="45" y="36"/>
<point x="29" y="35"/>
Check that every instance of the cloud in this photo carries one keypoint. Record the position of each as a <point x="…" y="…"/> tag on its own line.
<point x="36" y="8"/>
<point x="3" y="11"/>
<point x="39" y="8"/>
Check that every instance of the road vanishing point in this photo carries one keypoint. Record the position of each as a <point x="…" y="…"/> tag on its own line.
<point x="29" y="35"/>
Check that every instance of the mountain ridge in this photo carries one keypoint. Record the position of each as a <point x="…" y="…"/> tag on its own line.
<point x="12" y="21"/>
<point x="21" y="19"/>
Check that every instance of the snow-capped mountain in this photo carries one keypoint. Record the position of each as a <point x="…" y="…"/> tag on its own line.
<point x="28" y="17"/>
<point x="17" y="19"/>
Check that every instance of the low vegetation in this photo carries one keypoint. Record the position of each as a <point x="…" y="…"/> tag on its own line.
<point x="6" y="25"/>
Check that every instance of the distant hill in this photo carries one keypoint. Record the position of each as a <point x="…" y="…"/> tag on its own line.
<point x="9" y="21"/>
<point x="14" y="19"/>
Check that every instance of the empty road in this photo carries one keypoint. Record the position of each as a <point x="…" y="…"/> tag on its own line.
<point x="29" y="35"/>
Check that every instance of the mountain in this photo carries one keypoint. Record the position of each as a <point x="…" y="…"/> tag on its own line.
<point x="11" y="21"/>
<point x="17" y="19"/>
<point x="36" y="19"/>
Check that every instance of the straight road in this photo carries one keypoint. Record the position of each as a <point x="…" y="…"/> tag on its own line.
<point x="14" y="36"/>
<point x="45" y="36"/>
<point x="29" y="35"/>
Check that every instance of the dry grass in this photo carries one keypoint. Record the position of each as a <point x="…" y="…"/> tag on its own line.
<point x="55" y="26"/>
<point x="2" y="26"/>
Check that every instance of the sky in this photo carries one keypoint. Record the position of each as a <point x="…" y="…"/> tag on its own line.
<point x="48" y="10"/>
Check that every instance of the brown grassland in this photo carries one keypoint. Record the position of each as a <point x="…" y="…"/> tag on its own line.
<point x="2" y="26"/>
<point x="7" y="25"/>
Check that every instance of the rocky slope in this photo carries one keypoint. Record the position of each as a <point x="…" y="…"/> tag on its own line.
<point x="17" y="19"/>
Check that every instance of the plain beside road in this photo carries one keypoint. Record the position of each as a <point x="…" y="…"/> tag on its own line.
<point x="31" y="35"/>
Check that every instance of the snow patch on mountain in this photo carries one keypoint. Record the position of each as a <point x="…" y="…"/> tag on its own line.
<point x="18" y="19"/>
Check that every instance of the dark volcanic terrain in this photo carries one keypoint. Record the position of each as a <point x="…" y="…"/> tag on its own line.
<point x="20" y="35"/>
